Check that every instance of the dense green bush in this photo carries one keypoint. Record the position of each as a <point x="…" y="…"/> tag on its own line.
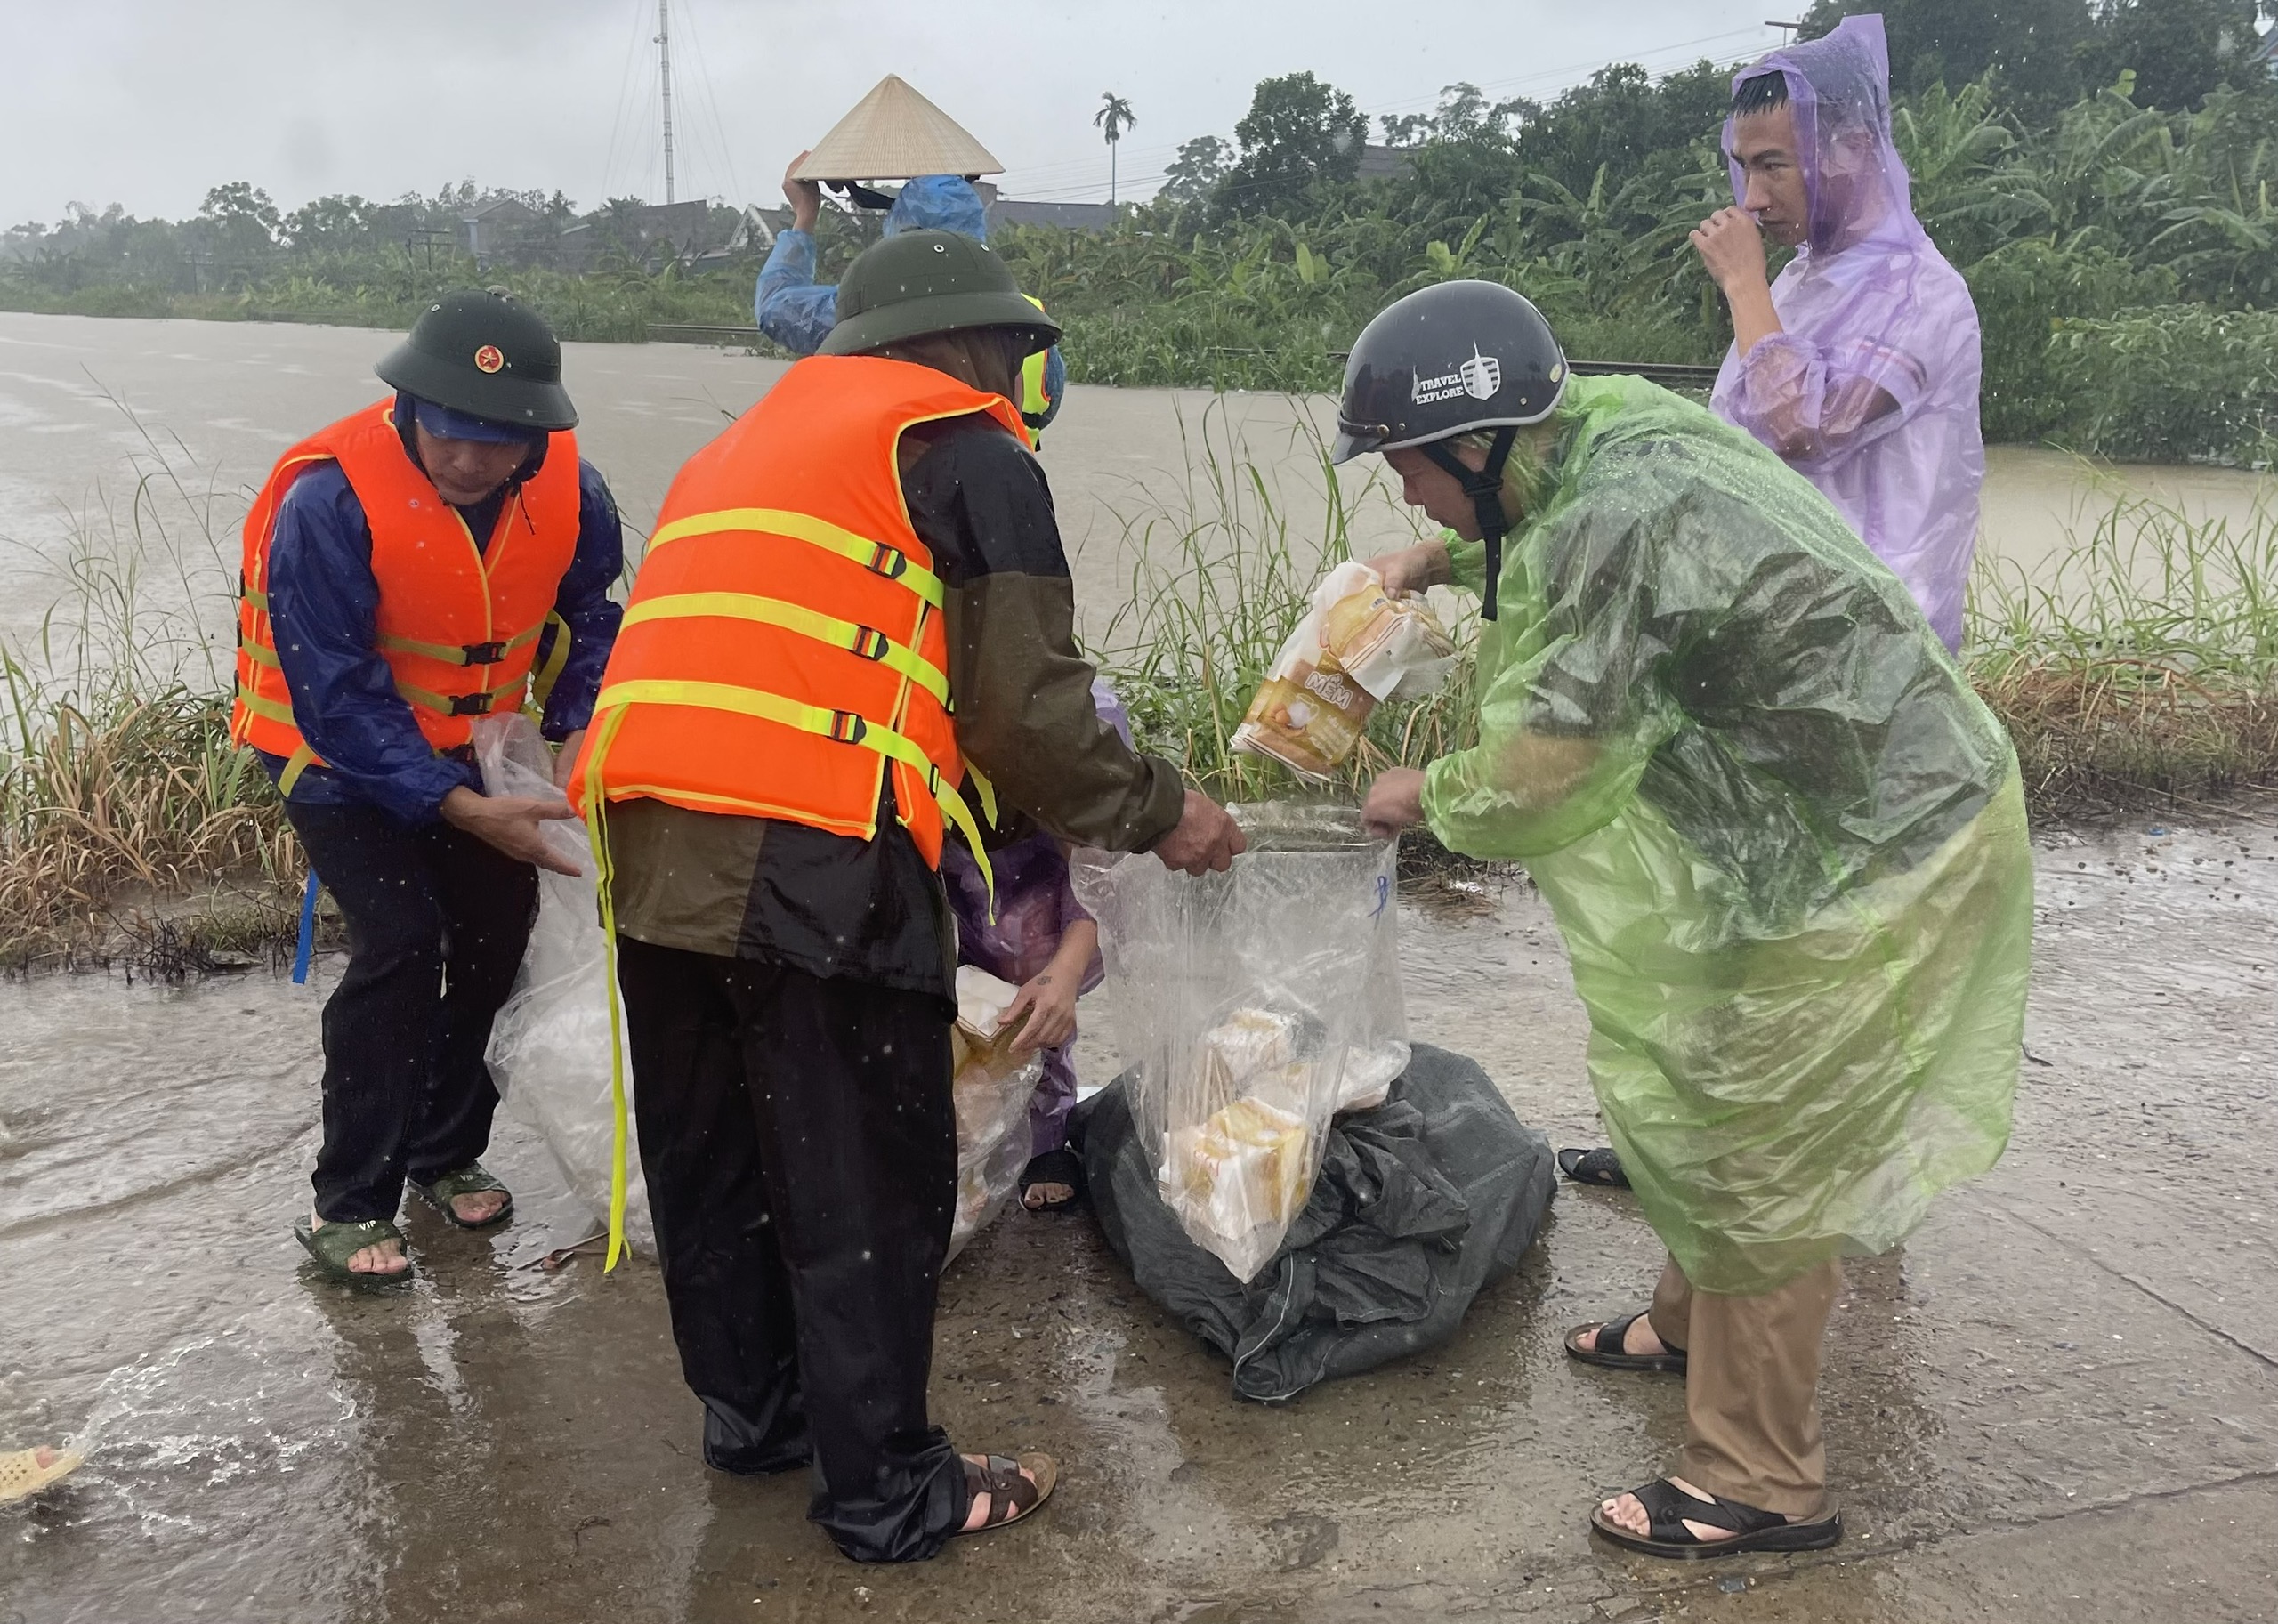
<point x="2174" y="383"/>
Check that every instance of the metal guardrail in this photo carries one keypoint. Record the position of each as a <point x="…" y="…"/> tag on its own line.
<point x="1670" y="374"/>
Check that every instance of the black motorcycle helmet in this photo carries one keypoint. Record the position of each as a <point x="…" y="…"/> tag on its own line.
<point x="1447" y="360"/>
<point x="486" y="354"/>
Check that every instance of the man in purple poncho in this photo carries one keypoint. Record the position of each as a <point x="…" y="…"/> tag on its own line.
<point x="1859" y="365"/>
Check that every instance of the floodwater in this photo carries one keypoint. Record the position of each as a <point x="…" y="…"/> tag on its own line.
<point x="213" y="403"/>
<point x="2058" y="1401"/>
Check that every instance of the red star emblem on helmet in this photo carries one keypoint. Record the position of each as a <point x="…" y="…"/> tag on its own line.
<point x="487" y="358"/>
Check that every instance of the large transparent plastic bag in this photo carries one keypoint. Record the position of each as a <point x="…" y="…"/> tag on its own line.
<point x="1251" y="1007"/>
<point x="994" y="1083"/>
<point x="550" y="1045"/>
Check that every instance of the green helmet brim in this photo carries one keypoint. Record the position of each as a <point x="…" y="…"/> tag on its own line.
<point x="499" y="396"/>
<point x="941" y="313"/>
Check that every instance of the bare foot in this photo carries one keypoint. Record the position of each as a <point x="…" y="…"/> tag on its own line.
<point x="1640" y="1338"/>
<point x="1037" y="1197"/>
<point x="479" y="1206"/>
<point x="383" y="1257"/>
<point x="1626" y="1513"/>
<point x="977" y="1516"/>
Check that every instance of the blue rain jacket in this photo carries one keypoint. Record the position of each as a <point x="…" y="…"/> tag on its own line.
<point x="798" y="313"/>
<point x="322" y="600"/>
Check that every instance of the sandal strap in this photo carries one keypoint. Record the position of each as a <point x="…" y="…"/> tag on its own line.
<point x="338" y="1242"/>
<point x="470" y="1180"/>
<point x="1668" y="1508"/>
<point x="1010" y="1493"/>
<point x="1614" y="1333"/>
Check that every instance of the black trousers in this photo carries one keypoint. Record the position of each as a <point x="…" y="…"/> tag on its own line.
<point x="437" y="922"/>
<point x="801" y="1153"/>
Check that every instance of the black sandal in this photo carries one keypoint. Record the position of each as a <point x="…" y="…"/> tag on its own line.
<point x="1060" y="1166"/>
<point x="1011" y="1495"/>
<point x="1605" y="1347"/>
<point x="1599" y="1166"/>
<point x="472" y="1179"/>
<point x="1668" y="1508"/>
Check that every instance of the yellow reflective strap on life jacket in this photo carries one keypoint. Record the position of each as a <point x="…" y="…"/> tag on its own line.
<point x="1036" y="404"/>
<point x="300" y="762"/>
<point x="985" y="793"/>
<point x="451" y="653"/>
<point x="596" y="811"/>
<point x="269" y="709"/>
<point x="864" y="640"/>
<point x="844" y="726"/>
<point x="259" y="656"/>
<point x="875" y="556"/>
<point x="548" y="669"/>
<point x="259" y="600"/>
<point x="427" y="698"/>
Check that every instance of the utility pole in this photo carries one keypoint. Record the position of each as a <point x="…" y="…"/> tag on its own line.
<point x="665" y="84"/>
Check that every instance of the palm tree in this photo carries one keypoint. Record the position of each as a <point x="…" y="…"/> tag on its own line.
<point x="1115" y="117"/>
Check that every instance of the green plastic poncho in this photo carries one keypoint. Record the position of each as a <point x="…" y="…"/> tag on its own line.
<point x="1782" y="838"/>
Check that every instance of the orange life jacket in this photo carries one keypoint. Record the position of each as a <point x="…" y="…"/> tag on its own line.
<point x="458" y="626"/>
<point x="784" y="645"/>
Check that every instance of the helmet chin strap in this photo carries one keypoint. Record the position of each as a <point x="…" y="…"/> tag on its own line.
<point x="1484" y="487"/>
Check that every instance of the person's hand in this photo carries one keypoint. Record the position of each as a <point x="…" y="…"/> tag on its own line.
<point x="1395" y="802"/>
<point x="1049" y="1003"/>
<point x="565" y="759"/>
<point x="514" y="824"/>
<point x="1413" y="569"/>
<point x="1207" y="837"/>
<point x="1730" y="246"/>
<point x="805" y="196"/>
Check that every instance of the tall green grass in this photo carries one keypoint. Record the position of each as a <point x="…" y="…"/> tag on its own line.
<point x="2144" y="661"/>
<point x="119" y="787"/>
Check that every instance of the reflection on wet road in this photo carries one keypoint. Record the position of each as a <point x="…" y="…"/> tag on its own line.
<point x="2065" y="1387"/>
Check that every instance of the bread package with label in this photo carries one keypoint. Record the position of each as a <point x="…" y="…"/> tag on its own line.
<point x="1240" y="1175"/>
<point x="1357" y="645"/>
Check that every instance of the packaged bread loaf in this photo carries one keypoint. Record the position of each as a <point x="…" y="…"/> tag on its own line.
<point x="1357" y="644"/>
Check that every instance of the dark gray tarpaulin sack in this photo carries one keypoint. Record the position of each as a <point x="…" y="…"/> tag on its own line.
<point x="1421" y="1204"/>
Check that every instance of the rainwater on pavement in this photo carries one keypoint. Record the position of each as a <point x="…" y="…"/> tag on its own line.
<point x="2058" y="1400"/>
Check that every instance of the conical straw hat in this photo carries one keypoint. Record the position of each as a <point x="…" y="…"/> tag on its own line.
<point x="895" y="135"/>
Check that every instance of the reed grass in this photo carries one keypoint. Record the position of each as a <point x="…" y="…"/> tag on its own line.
<point x="119" y="787"/>
<point x="2144" y="664"/>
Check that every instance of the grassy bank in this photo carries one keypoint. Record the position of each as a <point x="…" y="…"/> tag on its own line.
<point x="2142" y="669"/>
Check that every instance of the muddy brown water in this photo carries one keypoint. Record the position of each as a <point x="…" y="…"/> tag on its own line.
<point x="214" y="403"/>
<point x="2058" y="1400"/>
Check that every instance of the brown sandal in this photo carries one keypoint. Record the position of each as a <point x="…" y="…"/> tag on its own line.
<point x="1012" y="1496"/>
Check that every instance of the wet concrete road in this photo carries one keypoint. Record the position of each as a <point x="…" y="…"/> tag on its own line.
<point x="2059" y="1401"/>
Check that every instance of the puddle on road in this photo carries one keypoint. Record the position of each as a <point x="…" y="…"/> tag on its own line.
<point x="2095" y="1319"/>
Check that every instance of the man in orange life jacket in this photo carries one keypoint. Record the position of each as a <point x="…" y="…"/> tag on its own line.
<point x="400" y="567"/>
<point x="855" y="617"/>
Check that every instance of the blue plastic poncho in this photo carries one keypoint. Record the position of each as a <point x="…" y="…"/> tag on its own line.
<point x="1783" y="840"/>
<point x="1872" y="390"/>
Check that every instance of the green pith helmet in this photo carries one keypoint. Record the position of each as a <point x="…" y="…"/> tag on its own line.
<point x="486" y="354"/>
<point x="930" y="282"/>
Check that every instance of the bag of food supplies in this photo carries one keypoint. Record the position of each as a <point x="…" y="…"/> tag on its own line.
<point x="1251" y="1007"/>
<point x="993" y="1084"/>
<point x="550" y="1045"/>
<point x="1357" y="645"/>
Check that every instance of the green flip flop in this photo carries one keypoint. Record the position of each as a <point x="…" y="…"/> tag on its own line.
<point x="468" y="1180"/>
<point x="335" y="1244"/>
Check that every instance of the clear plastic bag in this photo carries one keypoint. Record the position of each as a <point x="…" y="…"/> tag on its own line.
<point x="1251" y="1007"/>
<point x="992" y="1089"/>
<point x="550" y="1045"/>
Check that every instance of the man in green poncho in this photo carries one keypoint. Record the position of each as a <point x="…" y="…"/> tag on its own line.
<point x="1785" y="842"/>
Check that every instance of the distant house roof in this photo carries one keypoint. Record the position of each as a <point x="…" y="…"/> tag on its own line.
<point x="1064" y="216"/>
<point x="1382" y="164"/>
<point x="2266" y="53"/>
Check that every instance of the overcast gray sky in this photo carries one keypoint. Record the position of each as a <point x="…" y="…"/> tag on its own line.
<point x="148" y="102"/>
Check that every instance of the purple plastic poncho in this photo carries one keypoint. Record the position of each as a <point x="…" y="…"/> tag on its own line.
<point x="1871" y="391"/>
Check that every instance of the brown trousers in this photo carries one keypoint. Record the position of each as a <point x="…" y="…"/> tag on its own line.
<point x="1752" y="1387"/>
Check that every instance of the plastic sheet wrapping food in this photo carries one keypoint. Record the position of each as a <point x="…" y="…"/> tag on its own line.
<point x="1356" y="646"/>
<point x="994" y="1081"/>
<point x="1783" y="838"/>
<point x="1251" y="1007"/>
<point x="550" y="1045"/>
